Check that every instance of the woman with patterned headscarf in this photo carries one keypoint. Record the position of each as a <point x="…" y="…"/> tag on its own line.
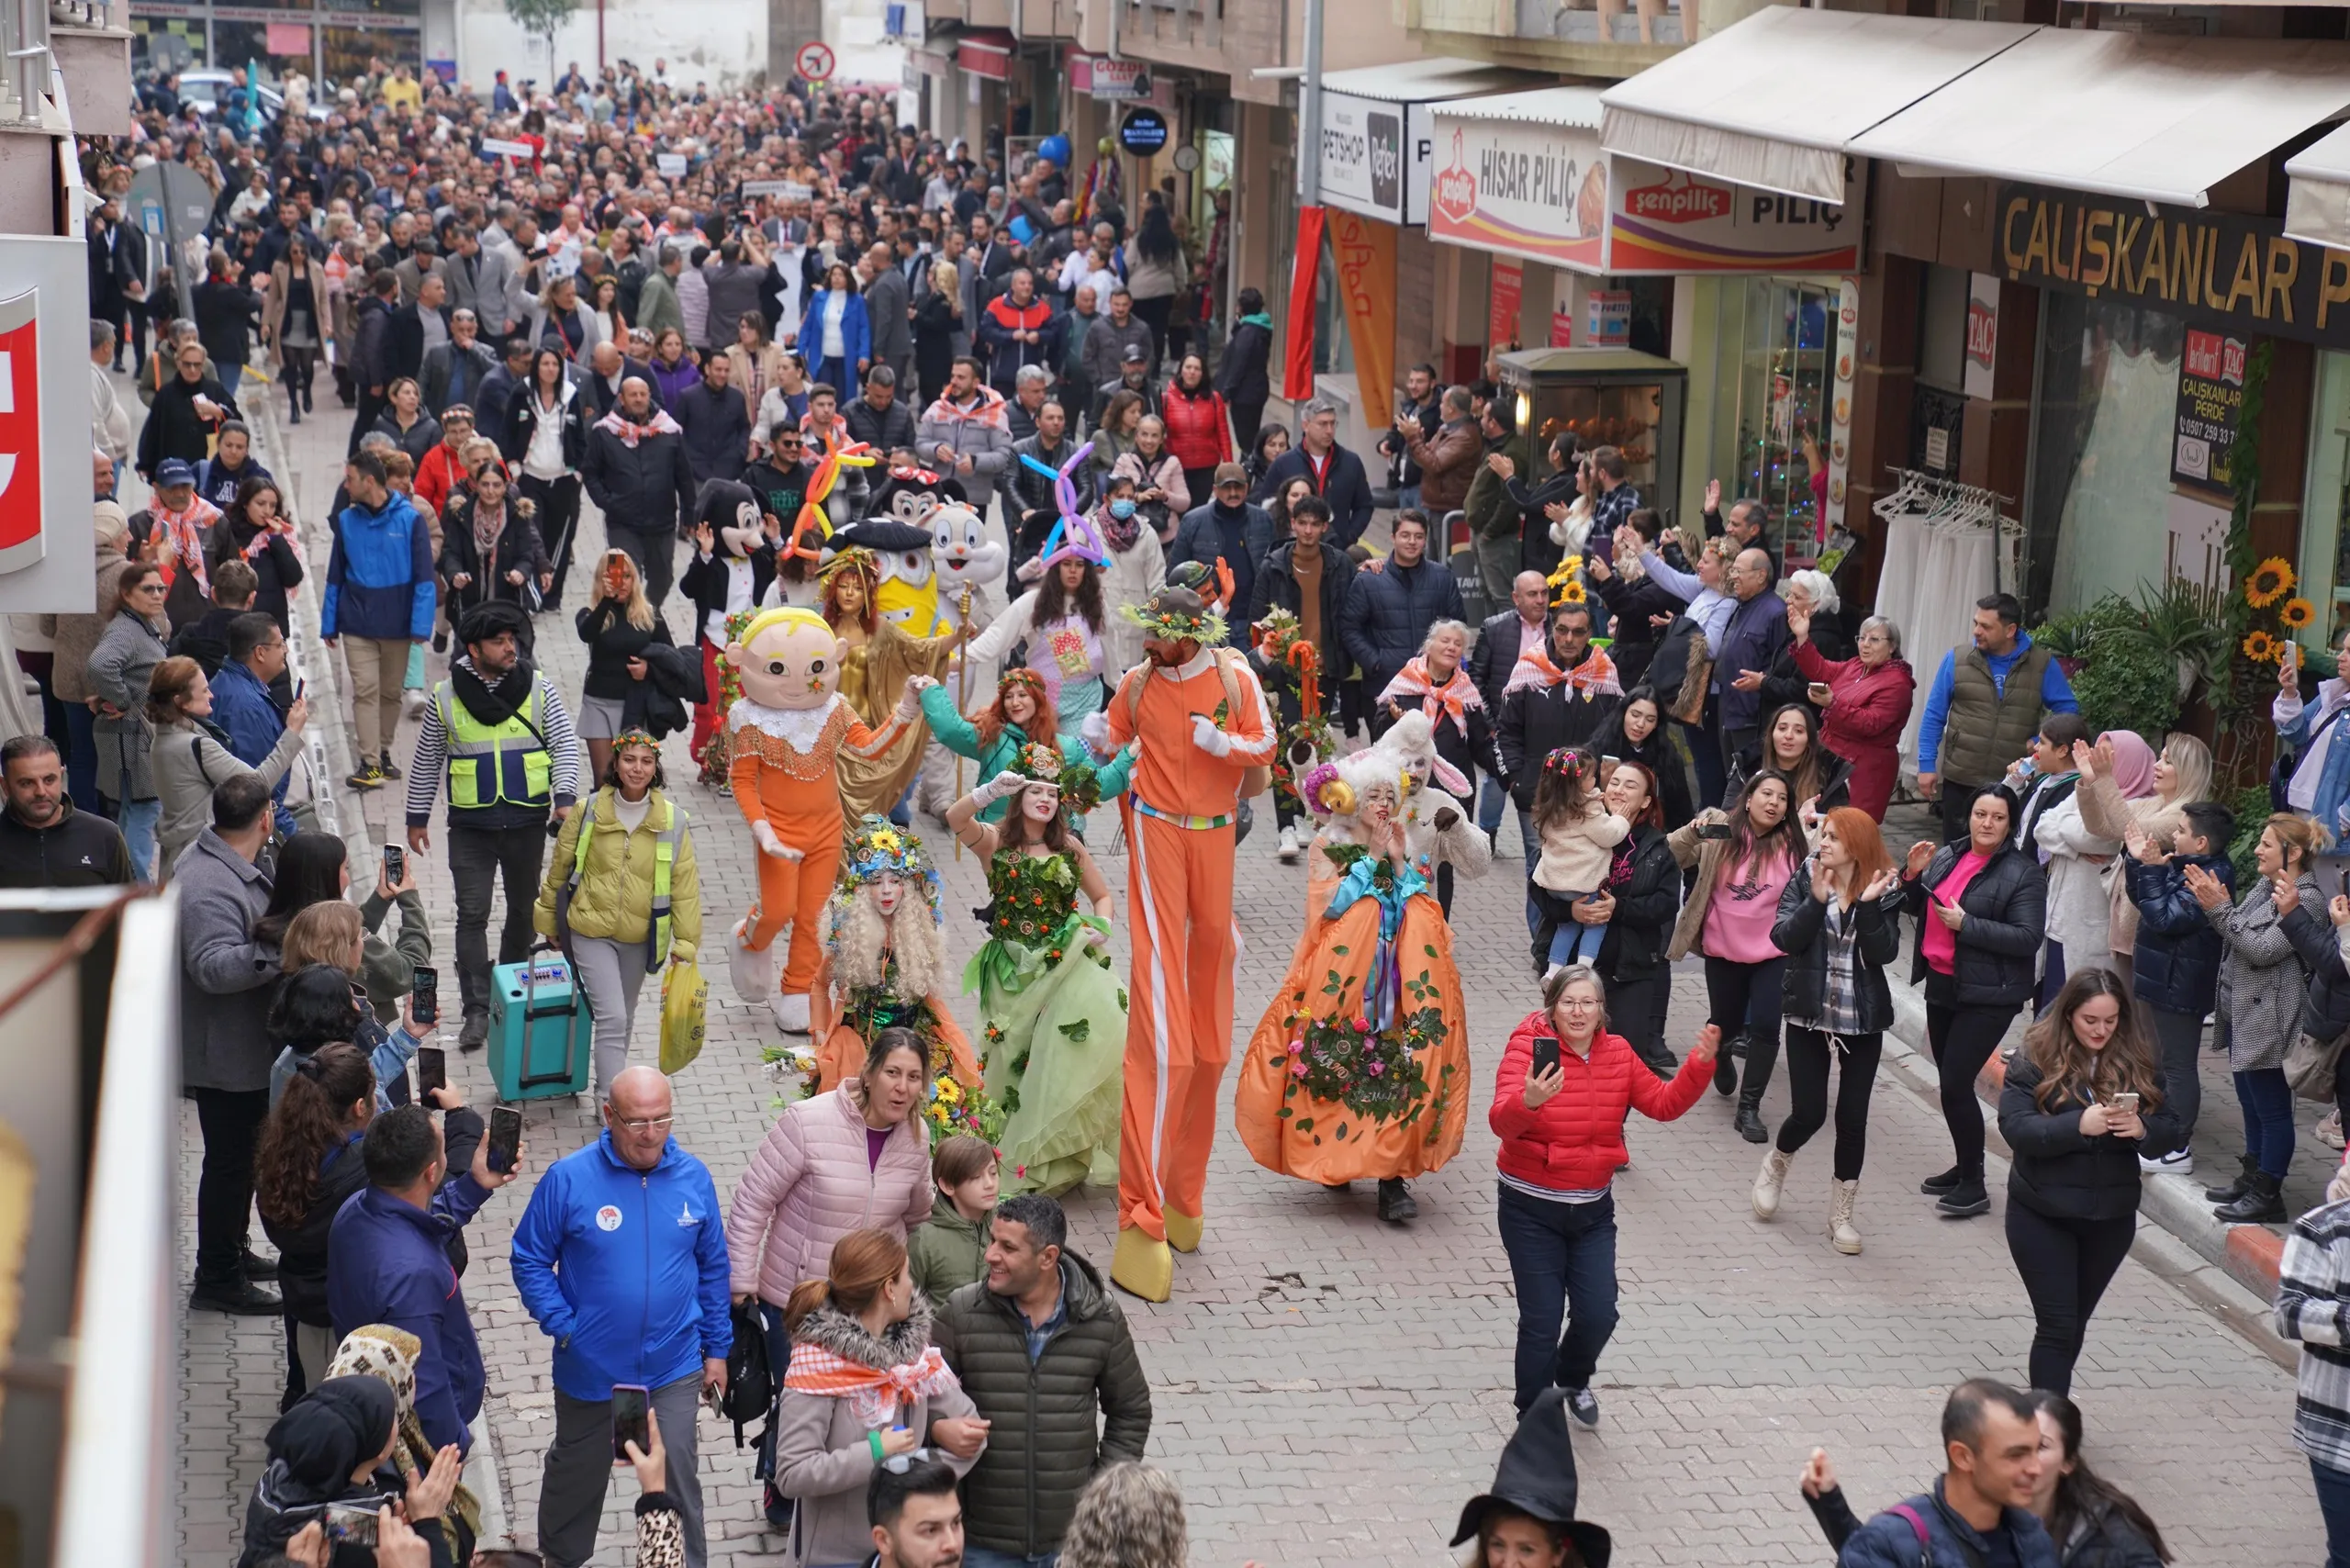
<point x="1050" y="1010"/>
<point x="388" y="1356"/>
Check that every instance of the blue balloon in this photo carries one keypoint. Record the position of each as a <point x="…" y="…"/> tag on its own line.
<point x="1055" y="148"/>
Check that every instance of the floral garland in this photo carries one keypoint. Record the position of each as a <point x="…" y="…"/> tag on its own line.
<point x="1375" y="1073"/>
<point x="716" y="751"/>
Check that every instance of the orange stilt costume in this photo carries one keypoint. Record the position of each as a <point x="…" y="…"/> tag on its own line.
<point x="784" y="738"/>
<point x="1207" y="738"/>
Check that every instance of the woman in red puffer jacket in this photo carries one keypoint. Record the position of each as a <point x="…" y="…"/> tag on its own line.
<point x="1199" y="429"/>
<point x="1563" y="1141"/>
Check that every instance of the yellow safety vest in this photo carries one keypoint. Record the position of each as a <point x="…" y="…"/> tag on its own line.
<point x="497" y="765"/>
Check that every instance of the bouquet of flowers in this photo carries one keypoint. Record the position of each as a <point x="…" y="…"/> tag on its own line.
<point x="1376" y="1073"/>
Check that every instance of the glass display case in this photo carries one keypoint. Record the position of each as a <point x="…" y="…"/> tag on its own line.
<point x="1783" y="385"/>
<point x="1619" y="397"/>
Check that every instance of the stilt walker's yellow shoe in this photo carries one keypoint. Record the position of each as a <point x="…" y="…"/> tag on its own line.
<point x="1141" y="1266"/>
<point x="1184" y="1230"/>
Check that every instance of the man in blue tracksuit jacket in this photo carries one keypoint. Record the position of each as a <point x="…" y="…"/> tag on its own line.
<point x="387" y="1261"/>
<point x="379" y="595"/>
<point x="1977" y="1513"/>
<point x="621" y="1259"/>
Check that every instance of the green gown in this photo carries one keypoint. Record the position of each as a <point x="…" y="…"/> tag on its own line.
<point x="1053" y="1022"/>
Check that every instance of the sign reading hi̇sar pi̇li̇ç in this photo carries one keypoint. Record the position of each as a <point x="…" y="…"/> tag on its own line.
<point x="2223" y="268"/>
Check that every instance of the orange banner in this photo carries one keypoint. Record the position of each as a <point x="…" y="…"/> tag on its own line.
<point x="1363" y="249"/>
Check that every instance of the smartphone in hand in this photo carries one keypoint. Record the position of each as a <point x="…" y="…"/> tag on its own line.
<point x="505" y="1138"/>
<point x="431" y="1072"/>
<point x="424" y="994"/>
<point x="1546" y="1056"/>
<point x="629" y="1403"/>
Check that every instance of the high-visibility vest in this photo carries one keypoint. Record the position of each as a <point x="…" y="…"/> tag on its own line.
<point x="497" y="765"/>
<point x="664" y="860"/>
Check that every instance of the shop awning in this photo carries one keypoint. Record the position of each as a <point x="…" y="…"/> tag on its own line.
<point x="2317" y="205"/>
<point x="1426" y="81"/>
<point x="1378" y="138"/>
<point x="1734" y="106"/>
<point x="986" y="54"/>
<point x="2142" y="116"/>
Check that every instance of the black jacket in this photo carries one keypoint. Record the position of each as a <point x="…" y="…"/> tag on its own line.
<point x="1495" y="654"/>
<point x="2176" y="966"/>
<point x="1800" y="933"/>
<point x="1347" y="489"/>
<point x="1657" y="756"/>
<point x="224" y="314"/>
<point x="519" y="546"/>
<point x="1646" y="908"/>
<point x="1044" y="1445"/>
<point x="175" y="429"/>
<point x="371" y="352"/>
<point x="884" y="430"/>
<point x="1998" y="942"/>
<point x="718" y="431"/>
<point x="612" y="642"/>
<point x="1635" y="641"/>
<point x="406" y="342"/>
<point x="2055" y="1171"/>
<point x="1835" y="776"/>
<point x="1240" y="375"/>
<point x="81" y="850"/>
<point x="650" y="485"/>
<point x="1389" y="612"/>
<point x="521" y="419"/>
<point x="1535" y="551"/>
<point x="704" y="581"/>
<point x="2326" y="1012"/>
<point x="302" y="1248"/>
<point x="1277" y="589"/>
<point x="277" y="564"/>
<point x="1534" y="723"/>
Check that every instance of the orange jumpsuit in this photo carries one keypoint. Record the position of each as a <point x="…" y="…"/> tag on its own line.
<point x="791" y="785"/>
<point x="1177" y="816"/>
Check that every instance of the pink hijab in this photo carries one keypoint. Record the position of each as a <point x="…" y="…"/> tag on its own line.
<point x="2133" y="764"/>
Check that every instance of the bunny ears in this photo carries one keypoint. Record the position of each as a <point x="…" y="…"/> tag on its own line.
<point x="855" y="454"/>
<point x="1074" y="537"/>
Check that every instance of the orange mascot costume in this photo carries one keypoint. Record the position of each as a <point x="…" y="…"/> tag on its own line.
<point x="1207" y="740"/>
<point x="785" y="735"/>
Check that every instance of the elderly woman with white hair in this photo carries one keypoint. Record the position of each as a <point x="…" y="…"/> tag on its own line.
<point x="1864" y="704"/>
<point x="1812" y="593"/>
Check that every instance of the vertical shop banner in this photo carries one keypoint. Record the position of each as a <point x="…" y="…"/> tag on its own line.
<point x="1501" y="307"/>
<point x="1363" y="249"/>
<point x="1305" y="275"/>
<point x="1981" y="333"/>
<point x="1840" y="421"/>
<point x="2210" y="400"/>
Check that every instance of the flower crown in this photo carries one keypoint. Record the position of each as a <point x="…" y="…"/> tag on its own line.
<point x="1170" y="619"/>
<point x="1079" y="786"/>
<point x="877" y="848"/>
<point x="1021" y="676"/>
<point x="856" y="558"/>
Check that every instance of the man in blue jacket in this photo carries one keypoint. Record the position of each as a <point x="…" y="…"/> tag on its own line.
<point x="242" y="703"/>
<point x="379" y="595"/>
<point x="1977" y="1512"/>
<point x="621" y="1259"/>
<point x="387" y="1261"/>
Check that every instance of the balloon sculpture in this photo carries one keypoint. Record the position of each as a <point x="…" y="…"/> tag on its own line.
<point x="1074" y="537"/>
<point x="855" y="454"/>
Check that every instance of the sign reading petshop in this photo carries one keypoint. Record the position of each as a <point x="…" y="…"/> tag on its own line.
<point x="1520" y="188"/>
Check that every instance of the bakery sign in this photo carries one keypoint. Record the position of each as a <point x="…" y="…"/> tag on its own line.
<point x="1668" y="222"/>
<point x="46" y="559"/>
<point x="1520" y="189"/>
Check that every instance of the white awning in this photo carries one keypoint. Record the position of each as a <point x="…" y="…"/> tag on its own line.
<point x="2317" y="205"/>
<point x="1723" y="107"/>
<point x="2144" y="115"/>
<point x="1577" y="107"/>
<point x="1424" y="81"/>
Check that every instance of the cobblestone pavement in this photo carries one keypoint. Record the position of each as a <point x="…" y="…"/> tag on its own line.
<point x="1329" y="1387"/>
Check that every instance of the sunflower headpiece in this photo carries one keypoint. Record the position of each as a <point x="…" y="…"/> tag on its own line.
<point x="1177" y="615"/>
<point x="877" y="848"/>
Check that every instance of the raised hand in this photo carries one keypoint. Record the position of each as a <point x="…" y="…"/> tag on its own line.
<point x="1712" y="495"/>
<point x="2085" y="761"/>
<point x="1798" y="624"/>
<point x="1709" y="1043"/>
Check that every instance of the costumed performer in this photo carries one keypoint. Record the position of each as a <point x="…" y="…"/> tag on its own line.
<point x="1207" y="740"/>
<point x="788" y="735"/>
<point x="1360" y="1066"/>
<point x="1051" y="1013"/>
<point x="877" y="661"/>
<point x="885" y="966"/>
<point x="734" y="566"/>
<point x="1021" y="715"/>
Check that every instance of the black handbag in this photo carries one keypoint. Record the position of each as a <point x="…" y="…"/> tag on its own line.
<point x="749" y="1381"/>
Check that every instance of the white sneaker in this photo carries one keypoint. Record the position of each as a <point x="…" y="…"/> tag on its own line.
<point x="1289" y="847"/>
<point x="2329" y="1129"/>
<point x="2180" y="1163"/>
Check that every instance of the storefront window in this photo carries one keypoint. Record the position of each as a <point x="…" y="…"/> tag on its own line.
<point x="275" y="47"/>
<point x="2095" y="518"/>
<point x="1782" y="385"/>
<point x="2326" y="534"/>
<point x="346" y="53"/>
<point x="166" y="43"/>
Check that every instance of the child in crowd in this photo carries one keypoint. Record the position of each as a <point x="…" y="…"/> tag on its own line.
<point x="949" y="1249"/>
<point x="2176" y="964"/>
<point x="1579" y="835"/>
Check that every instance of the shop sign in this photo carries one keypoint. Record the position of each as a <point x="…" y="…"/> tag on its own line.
<point x="1607" y="317"/>
<point x="2210" y="401"/>
<point x="1143" y="133"/>
<point x="1522" y="189"/>
<point x="1670" y="222"/>
<point x="45" y="561"/>
<point x="1981" y="333"/>
<point x="1839" y="420"/>
<point x="2223" y="268"/>
<point x="1118" y="79"/>
<point x="1506" y="299"/>
<point x="1562" y="329"/>
<point x="1362" y="158"/>
<point x="903" y="21"/>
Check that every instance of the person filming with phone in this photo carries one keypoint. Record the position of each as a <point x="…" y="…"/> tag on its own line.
<point x="1559" y="1100"/>
<point x="621" y="1257"/>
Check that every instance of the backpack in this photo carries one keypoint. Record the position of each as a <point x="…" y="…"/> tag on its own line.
<point x="1256" y="779"/>
<point x="749" y="1381"/>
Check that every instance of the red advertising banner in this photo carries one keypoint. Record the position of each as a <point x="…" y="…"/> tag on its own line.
<point x="1305" y="273"/>
<point x="1363" y="249"/>
<point x="1503" y="305"/>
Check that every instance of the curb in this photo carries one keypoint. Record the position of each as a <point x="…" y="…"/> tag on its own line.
<point x="2229" y="1269"/>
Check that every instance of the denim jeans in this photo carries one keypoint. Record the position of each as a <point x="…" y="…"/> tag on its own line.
<point x="2334" y="1502"/>
<point x="1531" y="842"/>
<point x="139" y="819"/>
<point x="1491" y="798"/>
<point x="2180" y="1035"/>
<point x="1562" y="1260"/>
<point x="2267" y="1102"/>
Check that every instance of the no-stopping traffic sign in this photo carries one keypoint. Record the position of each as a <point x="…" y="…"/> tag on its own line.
<point x="813" y="61"/>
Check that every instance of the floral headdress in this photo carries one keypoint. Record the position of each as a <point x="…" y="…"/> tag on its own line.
<point x="1020" y="676"/>
<point x="1177" y="615"/>
<point x="877" y="847"/>
<point x="1080" y="788"/>
<point x="855" y="558"/>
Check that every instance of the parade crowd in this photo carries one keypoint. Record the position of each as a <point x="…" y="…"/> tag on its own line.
<point x="956" y="458"/>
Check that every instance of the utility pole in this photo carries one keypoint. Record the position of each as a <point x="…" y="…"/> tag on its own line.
<point x="1310" y="106"/>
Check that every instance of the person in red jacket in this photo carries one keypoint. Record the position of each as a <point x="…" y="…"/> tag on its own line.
<point x="1866" y="705"/>
<point x="1561" y="1127"/>
<point x="1199" y="427"/>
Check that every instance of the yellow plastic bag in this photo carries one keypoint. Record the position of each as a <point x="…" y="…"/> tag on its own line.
<point x="683" y="995"/>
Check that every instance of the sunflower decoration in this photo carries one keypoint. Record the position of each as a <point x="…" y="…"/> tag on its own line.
<point x="2270" y="581"/>
<point x="2298" y="612"/>
<point x="874" y="845"/>
<point x="1571" y="594"/>
<point x="2261" y="648"/>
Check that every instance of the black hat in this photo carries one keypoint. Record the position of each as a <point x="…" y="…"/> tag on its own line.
<point x="1537" y="1476"/>
<point x="335" y="1426"/>
<point x="491" y="617"/>
<point x="885" y="535"/>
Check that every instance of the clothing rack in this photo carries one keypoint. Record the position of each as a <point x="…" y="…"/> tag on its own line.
<point x="1946" y="503"/>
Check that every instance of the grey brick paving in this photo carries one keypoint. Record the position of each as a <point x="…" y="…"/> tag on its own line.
<point x="1325" y="1385"/>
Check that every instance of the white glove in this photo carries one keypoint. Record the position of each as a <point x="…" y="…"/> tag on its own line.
<point x="771" y="843"/>
<point x="910" y="700"/>
<point x="1208" y="738"/>
<point x="1031" y="571"/>
<point x="1096" y="937"/>
<point x="1003" y="786"/>
<point x="1096" y="731"/>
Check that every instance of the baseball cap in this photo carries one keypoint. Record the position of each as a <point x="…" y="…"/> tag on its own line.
<point x="1135" y="354"/>
<point x="1230" y="474"/>
<point x="174" y="471"/>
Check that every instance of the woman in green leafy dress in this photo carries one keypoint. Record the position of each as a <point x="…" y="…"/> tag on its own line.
<point x="1053" y="1017"/>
